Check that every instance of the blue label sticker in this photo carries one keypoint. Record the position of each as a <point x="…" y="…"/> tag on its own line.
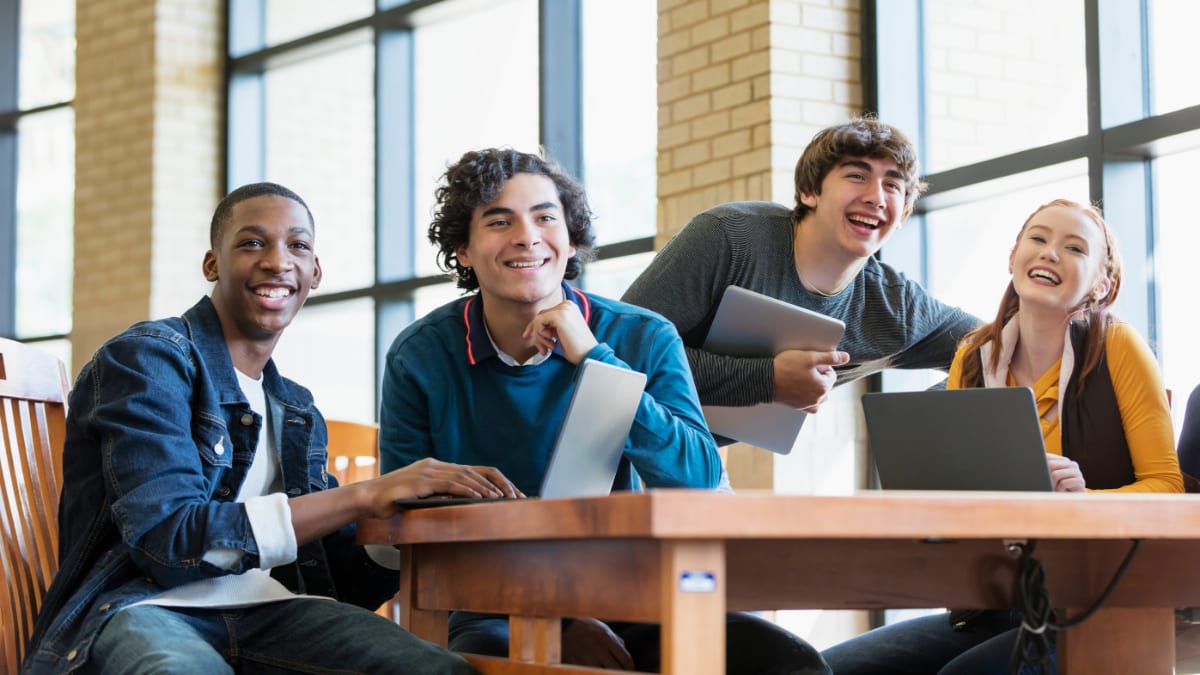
<point x="697" y="582"/>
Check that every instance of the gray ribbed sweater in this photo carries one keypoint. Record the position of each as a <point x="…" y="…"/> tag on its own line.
<point x="891" y="321"/>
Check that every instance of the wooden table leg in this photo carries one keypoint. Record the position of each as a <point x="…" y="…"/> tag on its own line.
<point x="693" y="607"/>
<point x="431" y="625"/>
<point x="535" y="639"/>
<point x="1120" y="640"/>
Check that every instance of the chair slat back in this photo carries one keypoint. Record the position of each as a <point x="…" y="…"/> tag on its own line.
<point x="353" y="451"/>
<point x="33" y="390"/>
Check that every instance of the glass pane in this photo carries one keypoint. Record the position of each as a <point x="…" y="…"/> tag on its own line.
<point x="321" y="143"/>
<point x="290" y="19"/>
<point x="331" y="350"/>
<point x="45" y="222"/>
<point x="47" y="68"/>
<point x="999" y="82"/>
<point x="61" y="349"/>
<point x="1176" y="246"/>
<point x="1174" y="53"/>
<point x="611" y="278"/>
<point x="620" y="116"/>
<point x="460" y="105"/>
<point x="429" y="298"/>
<point x="969" y="243"/>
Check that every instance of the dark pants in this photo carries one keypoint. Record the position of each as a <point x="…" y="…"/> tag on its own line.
<point x="753" y="646"/>
<point x="929" y="645"/>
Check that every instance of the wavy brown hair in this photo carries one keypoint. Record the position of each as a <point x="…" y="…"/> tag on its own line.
<point x="859" y="137"/>
<point x="1092" y="311"/>
<point x="476" y="179"/>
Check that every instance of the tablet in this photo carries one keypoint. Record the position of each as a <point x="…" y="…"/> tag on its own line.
<point x="752" y="324"/>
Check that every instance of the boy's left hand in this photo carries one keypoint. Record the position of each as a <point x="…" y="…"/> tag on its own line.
<point x="561" y="324"/>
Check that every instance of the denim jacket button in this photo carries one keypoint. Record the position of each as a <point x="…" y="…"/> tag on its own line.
<point x="72" y="654"/>
<point x="224" y="491"/>
<point x="105" y="607"/>
<point x="247" y="419"/>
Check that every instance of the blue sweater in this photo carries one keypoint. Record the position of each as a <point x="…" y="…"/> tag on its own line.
<point x="447" y="395"/>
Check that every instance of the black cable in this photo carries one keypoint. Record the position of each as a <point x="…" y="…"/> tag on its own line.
<point x="1032" y="646"/>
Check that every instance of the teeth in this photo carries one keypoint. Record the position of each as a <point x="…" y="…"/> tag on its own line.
<point x="869" y="222"/>
<point x="525" y="265"/>
<point x="274" y="293"/>
<point x="1043" y="274"/>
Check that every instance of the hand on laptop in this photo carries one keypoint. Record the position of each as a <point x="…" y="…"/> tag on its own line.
<point x="590" y="642"/>
<point x="564" y="325"/>
<point x="430" y="476"/>
<point x="1065" y="474"/>
<point x="803" y="379"/>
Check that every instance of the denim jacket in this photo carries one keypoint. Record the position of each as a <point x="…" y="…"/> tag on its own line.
<point x="159" y="439"/>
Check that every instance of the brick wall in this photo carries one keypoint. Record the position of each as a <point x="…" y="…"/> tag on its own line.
<point x="147" y="163"/>
<point x="743" y="86"/>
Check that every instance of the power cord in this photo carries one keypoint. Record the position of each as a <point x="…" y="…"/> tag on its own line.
<point x="1032" y="646"/>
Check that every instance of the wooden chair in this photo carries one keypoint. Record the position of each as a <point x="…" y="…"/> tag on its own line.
<point x="353" y="451"/>
<point x="353" y="456"/>
<point x="33" y="390"/>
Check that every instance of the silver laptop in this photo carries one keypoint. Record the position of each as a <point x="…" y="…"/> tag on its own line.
<point x="590" y="441"/>
<point x="752" y="324"/>
<point x="957" y="439"/>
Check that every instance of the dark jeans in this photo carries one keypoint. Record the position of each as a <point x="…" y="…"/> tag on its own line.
<point x="295" y="636"/>
<point x="929" y="645"/>
<point x="753" y="646"/>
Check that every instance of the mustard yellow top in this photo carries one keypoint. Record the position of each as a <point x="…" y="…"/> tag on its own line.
<point x="1141" y="398"/>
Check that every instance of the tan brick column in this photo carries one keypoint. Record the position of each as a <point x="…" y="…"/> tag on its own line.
<point x="742" y="87"/>
<point x="148" y="128"/>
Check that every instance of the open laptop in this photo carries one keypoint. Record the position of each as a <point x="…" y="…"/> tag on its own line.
<point x="957" y="439"/>
<point x="752" y="324"/>
<point x="590" y="441"/>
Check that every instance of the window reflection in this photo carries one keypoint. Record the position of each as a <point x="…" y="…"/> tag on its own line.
<point x="321" y="143"/>
<point x="47" y="68"/>
<point x="1174" y="53"/>
<point x="968" y="244"/>
<point x="330" y="349"/>
<point x="429" y="298"/>
<point x="1175" y="252"/>
<point x="45" y="222"/>
<point x="289" y="19"/>
<point x="476" y="86"/>
<point x="620" y="123"/>
<point x="611" y="278"/>
<point x="999" y="82"/>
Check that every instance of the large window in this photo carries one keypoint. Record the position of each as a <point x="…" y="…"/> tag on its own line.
<point x="1092" y="101"/>
<point x="37" y="168"/>
<point x="360" y="107"/>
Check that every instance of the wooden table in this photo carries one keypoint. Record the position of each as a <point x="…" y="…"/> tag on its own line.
<point x="683" y="558"/>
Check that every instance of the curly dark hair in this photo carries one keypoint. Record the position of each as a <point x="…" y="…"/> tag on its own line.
<point x="859" y="137"/>
<point x="249" y="191"/>
<point x="475" y="180"/>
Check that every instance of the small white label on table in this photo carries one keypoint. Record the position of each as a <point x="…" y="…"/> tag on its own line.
<point x="697" y="582"/>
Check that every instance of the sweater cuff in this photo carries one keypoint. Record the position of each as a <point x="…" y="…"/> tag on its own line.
<point x="271" y="522"/>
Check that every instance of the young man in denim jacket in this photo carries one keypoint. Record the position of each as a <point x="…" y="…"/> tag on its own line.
<point x="199" y="529"/>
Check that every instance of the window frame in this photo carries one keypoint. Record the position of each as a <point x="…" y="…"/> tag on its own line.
<point x="396" y="282"/>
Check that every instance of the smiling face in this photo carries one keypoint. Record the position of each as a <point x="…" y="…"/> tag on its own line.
<point x="519" y="245"/>
<point x="264" y="265"/>
<point x="860" y="204"/>
<point x="1059" y="262"/>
